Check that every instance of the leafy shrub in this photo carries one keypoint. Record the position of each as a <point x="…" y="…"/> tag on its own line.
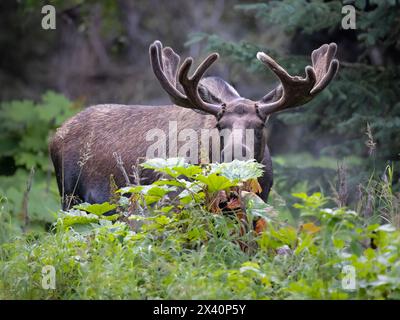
<point x="24" y="130"/>
<point x="162" y="246"/>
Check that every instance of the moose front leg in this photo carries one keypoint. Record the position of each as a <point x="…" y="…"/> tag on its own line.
<point x="266" y="180"/>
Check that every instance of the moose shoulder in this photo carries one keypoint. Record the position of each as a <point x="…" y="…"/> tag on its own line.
<point x="89" y="148"/>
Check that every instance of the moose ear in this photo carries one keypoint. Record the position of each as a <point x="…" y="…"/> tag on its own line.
<point x="273" y="95"/>
<point x="217" y="91"/>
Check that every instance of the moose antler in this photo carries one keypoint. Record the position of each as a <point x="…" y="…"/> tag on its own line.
<point x="165" y="63"/>
<point x="294" y="90"/>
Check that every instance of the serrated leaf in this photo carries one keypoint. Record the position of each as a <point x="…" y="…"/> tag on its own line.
<point x="215" y="182"/>
<point x="160" y="163"/>
<point x="239" y="170"/>
<point x="97" y="208"/>
<point x="256" y="206"/>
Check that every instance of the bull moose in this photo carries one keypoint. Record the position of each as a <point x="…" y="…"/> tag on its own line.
<point x="83" y="149"/>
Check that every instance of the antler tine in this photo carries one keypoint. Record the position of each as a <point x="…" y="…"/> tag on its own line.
<point x="280" y="72"/>
<point x="190" y="84"/>
<point x="165" y="62"/>
<point x="156" y="60"/>
<point x="296" y="90"/>
<point x="325" y="71"/>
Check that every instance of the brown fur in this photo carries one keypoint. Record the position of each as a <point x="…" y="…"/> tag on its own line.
<point x="105" y="129"/>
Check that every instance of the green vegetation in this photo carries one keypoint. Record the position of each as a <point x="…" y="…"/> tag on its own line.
<point x="335" y="202"/>
<point x="201" y="241"/>
<point x="358" y="114"/>
<point x="26" y="173"/>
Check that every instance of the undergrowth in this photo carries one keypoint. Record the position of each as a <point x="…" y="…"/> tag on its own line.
<point x="201" y="232"/>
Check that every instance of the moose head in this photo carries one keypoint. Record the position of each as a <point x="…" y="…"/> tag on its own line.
<point x="221" y="100"/>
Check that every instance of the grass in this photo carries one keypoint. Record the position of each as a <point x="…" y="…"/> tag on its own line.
<point x="159" y="247"/>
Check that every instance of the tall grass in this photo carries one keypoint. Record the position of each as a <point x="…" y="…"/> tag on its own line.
<point x="183" y="248"/>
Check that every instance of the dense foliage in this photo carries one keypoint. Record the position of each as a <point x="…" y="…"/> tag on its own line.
<point x="335" y="202"/>
<point x="27" y="184"/>
<point x="197" y="243"/>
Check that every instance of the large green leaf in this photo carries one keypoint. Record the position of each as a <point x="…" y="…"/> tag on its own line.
<point x="215" y="182"/>
<point x="98" y="208"/>
<point x="160" y="163"/>
<point x="239" y="170"/>
<point x="255" y="206"/>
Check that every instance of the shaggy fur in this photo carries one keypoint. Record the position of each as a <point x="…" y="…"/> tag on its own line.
<point x="83" y="147"/>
